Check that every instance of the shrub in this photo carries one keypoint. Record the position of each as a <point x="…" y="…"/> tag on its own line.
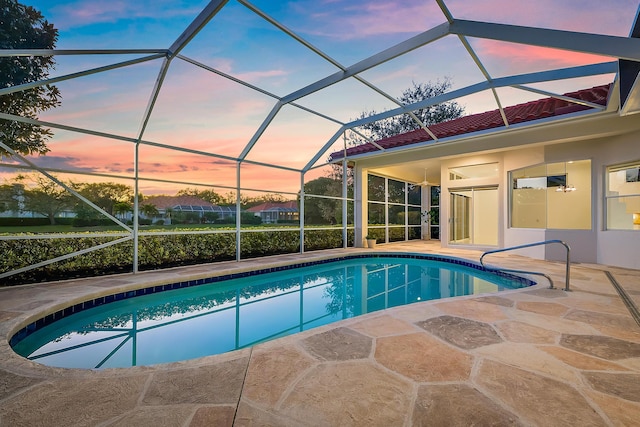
<point x="145" y="221"/>
<point x="90" y="222"/>
<point x="29" y="222"/>
<point x="155" y="251"/>
<point x="249" y="218"/>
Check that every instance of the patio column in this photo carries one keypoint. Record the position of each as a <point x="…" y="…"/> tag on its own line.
<point x="360" y="202"/>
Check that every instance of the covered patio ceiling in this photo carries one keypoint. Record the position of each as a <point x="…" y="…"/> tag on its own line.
<point x="183" y="93"/>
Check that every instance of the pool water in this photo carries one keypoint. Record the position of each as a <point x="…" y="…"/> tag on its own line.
<point x="220" y="317"/>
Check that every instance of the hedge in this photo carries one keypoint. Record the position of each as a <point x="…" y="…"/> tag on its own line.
<point x="29" y="222"/>
<point x="91" y="222"/>
<point x="154" y="252"/>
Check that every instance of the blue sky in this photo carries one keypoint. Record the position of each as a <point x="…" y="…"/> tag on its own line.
<point x="199" y="110"/>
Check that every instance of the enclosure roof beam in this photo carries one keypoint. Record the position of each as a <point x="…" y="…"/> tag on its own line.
<point x="406" y="46"/>
<point x="562" y="97"/>
<point x="60" y="52"/>
<point x="263" y="126"/>
<point x="256" y="88"/>
<point x="324" y="148"/>
<point x="53" y="80"/>
<point x="559" y="74"/>
<point x="196" y="25"/>
<point x="596" y="44"/>
<point x="476" y="60"/>
<point x="5" y="116"/>
<point x="154" y="96"/>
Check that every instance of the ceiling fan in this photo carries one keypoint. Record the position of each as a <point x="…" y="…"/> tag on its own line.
<point x="424" y="182"/>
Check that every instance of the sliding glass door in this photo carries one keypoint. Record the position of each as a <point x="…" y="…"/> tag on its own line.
<point x="473" y="216"/>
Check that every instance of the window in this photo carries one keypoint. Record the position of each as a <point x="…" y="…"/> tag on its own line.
<point x="393" y="209"/>
<point x="487" y="170"/>
<point x="434" y="213"/>
<point x="552" y="196"/>
<point x="623" y="197"/>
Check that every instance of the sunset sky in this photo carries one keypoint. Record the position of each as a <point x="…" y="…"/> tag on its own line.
<point x="199" y="110"/>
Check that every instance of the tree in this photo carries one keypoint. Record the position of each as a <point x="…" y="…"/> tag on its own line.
<point x="44" y="197"/>
<point x="105" y="194"/>
<point x="321" y="211"/>
<point x="249" y="202"/>
<point x="149" y="210"/>
<point x="121" y="208"/>
<point x="404" y="123"/>
<point x="210" y="217"/>
<point x="23" y="27"/>
<point x="206" y="195"/>
<point x="10" y="197"/>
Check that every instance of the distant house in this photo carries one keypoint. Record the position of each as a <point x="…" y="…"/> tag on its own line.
<point x="274" y="212"/>
<point x="172" y="205"/>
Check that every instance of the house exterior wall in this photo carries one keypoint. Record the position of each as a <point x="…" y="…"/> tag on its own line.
<point x="594" y="245"/>
<point x="604" y="140"/>
<point x="610" y="247"/>
<point x="516" y="159"/>
<point x="447" y="184"/>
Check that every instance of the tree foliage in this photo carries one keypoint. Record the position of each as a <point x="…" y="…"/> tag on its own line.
<point x="9" y="196"/>
<point x="122" y="208"/>
<point x="207" y="195"/>
<point x="105" y="194"/>
<point x="405" y="123"/>
<point x="229" y="199"/>
<point x="23" y="27"/>
<point x="251" y="201"/>
<point x="149" y="210"/>
<point x="321" y="211"/>
<point x="43" y="196"/>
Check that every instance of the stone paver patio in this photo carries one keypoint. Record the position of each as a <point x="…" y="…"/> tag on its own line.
<point x="525" y="357"/>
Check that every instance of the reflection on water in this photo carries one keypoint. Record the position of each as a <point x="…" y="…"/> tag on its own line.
<point x="212" y="319"/>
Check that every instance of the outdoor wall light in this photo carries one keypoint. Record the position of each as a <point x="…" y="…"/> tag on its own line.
<point x="565" y="189"/>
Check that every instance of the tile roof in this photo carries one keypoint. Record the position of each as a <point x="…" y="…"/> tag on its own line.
<point x="534" y="110"/>
<point x="272" y="206"/>
<point x="163" y="202"/>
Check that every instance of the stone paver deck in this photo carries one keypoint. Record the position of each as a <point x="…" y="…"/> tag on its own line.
<point x="524" y="357"/>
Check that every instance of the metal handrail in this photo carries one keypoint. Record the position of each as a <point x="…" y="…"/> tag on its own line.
<point x="546" y="242"/>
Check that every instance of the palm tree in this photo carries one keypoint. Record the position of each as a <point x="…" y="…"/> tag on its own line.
<point x="121" y="208"/>
<point x="149" y="210"/>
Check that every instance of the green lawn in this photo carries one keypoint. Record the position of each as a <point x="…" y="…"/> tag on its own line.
<point x="70" y="229"/>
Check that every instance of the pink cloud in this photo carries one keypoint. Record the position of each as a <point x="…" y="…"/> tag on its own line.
<point x="510" y="58"/>
<point x="88" y="12"/>
<point x="360" y="19"/>
<point x="571" y="15"/>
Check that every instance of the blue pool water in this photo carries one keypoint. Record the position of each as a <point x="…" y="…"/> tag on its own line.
<point x="219" y="317"/>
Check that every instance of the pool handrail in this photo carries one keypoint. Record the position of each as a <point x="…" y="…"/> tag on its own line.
<point x="528" y="245"/>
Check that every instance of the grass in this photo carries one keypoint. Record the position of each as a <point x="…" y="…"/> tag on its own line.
<point x="70" y="229"/>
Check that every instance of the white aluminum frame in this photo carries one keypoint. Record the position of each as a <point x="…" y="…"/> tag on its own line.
<point x="611" y="46"/>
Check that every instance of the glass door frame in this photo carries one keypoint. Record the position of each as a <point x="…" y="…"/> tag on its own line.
<point x="468" y="216"/>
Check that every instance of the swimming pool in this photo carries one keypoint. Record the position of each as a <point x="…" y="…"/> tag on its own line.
<point x="181" y="321"/>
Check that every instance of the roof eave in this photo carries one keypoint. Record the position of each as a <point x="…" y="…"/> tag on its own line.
<point x="579" y="116"/>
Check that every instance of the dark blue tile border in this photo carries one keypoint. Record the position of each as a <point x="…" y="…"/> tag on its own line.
<point x="50" y="318"/>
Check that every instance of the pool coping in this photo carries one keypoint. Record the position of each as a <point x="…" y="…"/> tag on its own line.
<point x="148" y="279"/>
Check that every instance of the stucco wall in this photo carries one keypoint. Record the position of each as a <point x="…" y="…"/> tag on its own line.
<point x="610" y="247"/>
